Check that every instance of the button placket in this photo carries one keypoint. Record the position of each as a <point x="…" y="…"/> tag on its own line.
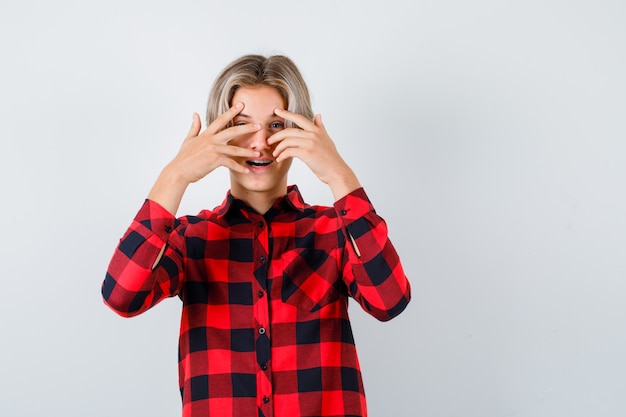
<point x="261" y="264"/>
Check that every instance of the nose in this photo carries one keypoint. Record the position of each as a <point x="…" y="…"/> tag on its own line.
<point x="258" y="141"/>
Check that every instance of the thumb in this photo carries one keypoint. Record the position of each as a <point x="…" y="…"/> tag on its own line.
<point x="317" y="121"/>
<point x="195" y="126"/>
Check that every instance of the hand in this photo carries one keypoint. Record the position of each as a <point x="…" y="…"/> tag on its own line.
<point x="199" y="155"/>
<point x="312" y="144"/>
<point x="202" y="153"/>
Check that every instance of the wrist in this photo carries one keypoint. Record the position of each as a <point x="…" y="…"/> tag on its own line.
<point x="344" y="184"/>
<point x="168" y="190"/>
<point x="172" y="177"/>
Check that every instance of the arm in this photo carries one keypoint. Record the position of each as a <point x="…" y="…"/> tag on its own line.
<point x="135" y="281"/>
<point x="371" y="267"/>
<point x="146" y="267"/>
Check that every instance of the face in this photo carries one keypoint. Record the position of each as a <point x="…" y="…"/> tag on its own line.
<point x="267" y="178"/>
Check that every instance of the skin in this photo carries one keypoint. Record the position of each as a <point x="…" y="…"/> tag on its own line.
<point x="261" y="185"/>
<point x="258" y="135"/>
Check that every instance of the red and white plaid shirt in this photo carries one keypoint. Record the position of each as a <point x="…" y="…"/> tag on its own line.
<point x="265" y="328"/>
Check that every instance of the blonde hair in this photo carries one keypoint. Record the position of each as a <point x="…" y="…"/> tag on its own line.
<point x="277" y="71"/>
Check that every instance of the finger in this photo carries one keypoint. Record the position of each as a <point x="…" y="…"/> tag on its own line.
<point x="232" y="132"/>
<point x="195" y="126"/>
<point x="288" y="133"/>
<point x="222" y="120"/>
<point x="291" y="143"/>
<point x="317" y="121"/>
<point x="296" y="118"/>
<point x="238" y="151"/>
<point x="234" y="166"/>
<point x="288" y="153"/>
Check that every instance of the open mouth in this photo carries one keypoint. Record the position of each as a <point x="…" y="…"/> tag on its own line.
<point x="258" y="163"/>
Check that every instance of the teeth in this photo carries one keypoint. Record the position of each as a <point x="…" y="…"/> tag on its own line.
<point x="259" y="162"/>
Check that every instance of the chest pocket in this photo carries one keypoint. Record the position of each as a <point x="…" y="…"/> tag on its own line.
<point x="310" y="279"/>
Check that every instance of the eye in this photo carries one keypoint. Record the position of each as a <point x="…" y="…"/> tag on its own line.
<point x="239" y="123"/>
<point x="277" y="125"/>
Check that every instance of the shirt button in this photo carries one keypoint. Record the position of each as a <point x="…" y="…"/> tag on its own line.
<point x="266" y="400"/>
<point x="261" y="294"/>
<point x="343" y="212"/>
<point x="264" y="367"/>
<point x="261" y="225"/>
<point x="262" y="259"/>
<point x="168" y="229"/>
<point x="262" y="330"/>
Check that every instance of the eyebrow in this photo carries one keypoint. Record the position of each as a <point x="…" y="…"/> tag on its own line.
<point x="248" y="117"/>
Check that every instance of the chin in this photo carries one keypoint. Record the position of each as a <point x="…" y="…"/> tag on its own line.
<point x="273" y="181"/>
<point x="258" y="185"/>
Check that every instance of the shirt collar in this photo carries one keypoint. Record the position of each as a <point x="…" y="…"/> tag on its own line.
<point x="291" y="201"/>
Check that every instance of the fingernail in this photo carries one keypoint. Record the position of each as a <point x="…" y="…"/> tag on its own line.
<point x="239" y="105"/>
<point x="256" y="125"/>
<point x="277" y="110"/>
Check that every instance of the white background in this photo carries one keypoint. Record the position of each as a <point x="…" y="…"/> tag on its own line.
<point x="489" y="134"/>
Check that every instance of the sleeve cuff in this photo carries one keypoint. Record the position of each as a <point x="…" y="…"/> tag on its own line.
<point x="353" y="206"/>
<point x="156" y="219"/>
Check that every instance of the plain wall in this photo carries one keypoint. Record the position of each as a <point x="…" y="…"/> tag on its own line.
<point x="489" y="134"/>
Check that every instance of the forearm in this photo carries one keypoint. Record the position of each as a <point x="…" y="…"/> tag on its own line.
<point x="372" y="269"/>
<point x="380" y="284"/>
<point x="132" y="284"/>
<point x="168" y="190"/>
<point x="343" y="183"/>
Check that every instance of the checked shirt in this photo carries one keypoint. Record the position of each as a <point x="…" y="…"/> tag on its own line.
<point x="264" y="328"/>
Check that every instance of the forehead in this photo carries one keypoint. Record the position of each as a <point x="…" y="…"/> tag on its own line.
<point x="258" y="99"/>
